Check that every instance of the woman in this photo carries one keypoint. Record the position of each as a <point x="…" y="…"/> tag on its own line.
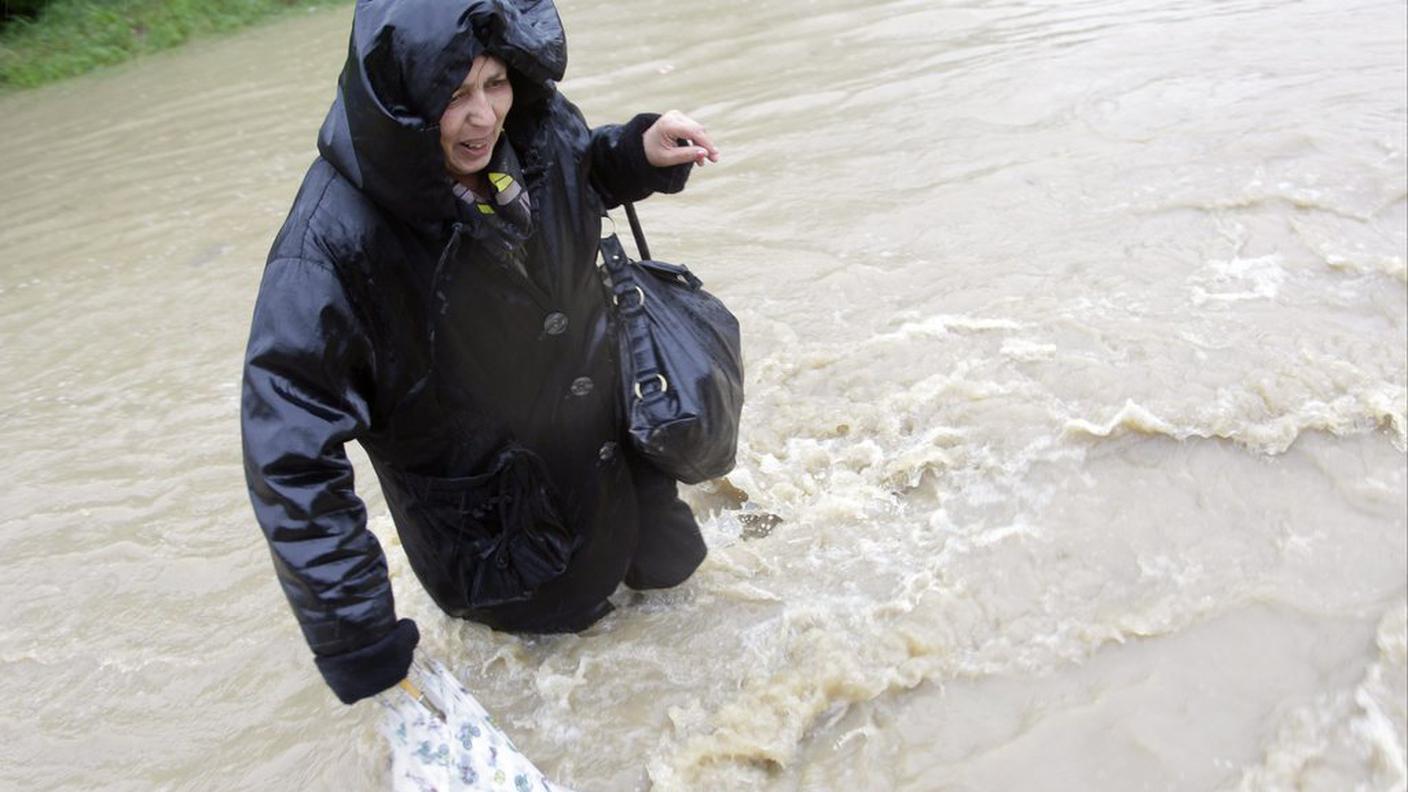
<point x="433" y="295"/>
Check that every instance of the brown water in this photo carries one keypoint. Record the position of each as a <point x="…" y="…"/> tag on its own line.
<point x="1074" y="457"/>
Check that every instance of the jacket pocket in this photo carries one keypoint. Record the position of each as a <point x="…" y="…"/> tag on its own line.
<point x="498" y="535"/>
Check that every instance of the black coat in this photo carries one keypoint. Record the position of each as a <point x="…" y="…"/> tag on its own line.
<point x="484" y="392"/>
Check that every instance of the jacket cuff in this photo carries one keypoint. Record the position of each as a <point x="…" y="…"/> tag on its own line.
<point x="663" y="180"/>
<point x="367" y="671"/>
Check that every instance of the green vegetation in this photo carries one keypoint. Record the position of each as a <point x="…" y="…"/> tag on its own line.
<point x="69" y="37"/>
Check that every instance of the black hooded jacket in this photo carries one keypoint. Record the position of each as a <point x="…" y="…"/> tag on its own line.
<point x="478" y="373"/>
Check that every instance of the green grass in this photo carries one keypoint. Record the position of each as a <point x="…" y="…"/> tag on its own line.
<point x="71" y="37"/>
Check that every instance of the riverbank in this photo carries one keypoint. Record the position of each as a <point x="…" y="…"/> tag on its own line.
<point x="71" y="37"/>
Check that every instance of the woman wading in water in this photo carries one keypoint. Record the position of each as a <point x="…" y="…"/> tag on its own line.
<point x="433" y="295"/>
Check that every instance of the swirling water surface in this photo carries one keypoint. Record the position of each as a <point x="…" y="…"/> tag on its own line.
<point x="1073" y="458"/>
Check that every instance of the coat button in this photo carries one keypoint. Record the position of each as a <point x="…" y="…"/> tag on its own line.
<point x="555" y="323"/>
<point x="607" y="452"/>
<point x="582" y="386"/>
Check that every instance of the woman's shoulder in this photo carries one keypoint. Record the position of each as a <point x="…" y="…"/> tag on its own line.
<point x="566" y="123"/>
<point x="331" y="222"/>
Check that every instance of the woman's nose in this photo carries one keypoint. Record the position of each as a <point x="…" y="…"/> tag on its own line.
<point x="477" y="110"/>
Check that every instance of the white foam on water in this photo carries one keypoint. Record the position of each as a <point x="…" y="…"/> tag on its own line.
<point x="1347" y="739"/>
<point x="944" y="324"/>
<point x="1130" y="417"/>
<point x="1381" y="406"/>
<point x="1026" y="349"/>
<point x="1238" y="279"/>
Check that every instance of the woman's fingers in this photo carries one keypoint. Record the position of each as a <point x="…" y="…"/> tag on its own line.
<point x="673" y="151"/>
<point x="700" y="137"/>
<point x="675" y="139"/>
<point x="682" y="126"/>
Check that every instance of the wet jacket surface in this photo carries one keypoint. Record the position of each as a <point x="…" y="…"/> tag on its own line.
<point x="477" y="373"/>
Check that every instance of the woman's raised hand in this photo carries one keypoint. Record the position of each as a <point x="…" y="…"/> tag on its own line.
<point x="675" y="139"/>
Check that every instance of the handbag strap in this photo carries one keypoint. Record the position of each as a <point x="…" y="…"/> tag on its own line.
<point x="636" y="231"/>
<point x="640" y="367"/>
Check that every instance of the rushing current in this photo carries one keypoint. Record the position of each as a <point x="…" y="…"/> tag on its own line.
<point x="1074" y="455"/>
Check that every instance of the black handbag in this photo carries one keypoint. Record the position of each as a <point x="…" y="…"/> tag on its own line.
<point x="681" y="362"/>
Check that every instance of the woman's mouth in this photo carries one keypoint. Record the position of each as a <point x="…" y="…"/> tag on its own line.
<point x="477" y="147"/>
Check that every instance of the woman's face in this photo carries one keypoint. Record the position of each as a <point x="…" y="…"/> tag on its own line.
<point x="474" y="119"/>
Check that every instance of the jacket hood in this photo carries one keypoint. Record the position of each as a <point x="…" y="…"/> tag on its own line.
<point x="405" y="59"/>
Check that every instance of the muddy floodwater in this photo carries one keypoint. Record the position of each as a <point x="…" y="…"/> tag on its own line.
<point x="1074" y="455"/>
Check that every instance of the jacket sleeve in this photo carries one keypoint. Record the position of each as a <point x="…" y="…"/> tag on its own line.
<point x="300" y="406"/>
<point x="619" y="170"/>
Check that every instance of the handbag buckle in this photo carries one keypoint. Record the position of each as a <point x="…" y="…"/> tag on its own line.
<point x="616" y="298"/>
<point x="664" y="386"/>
